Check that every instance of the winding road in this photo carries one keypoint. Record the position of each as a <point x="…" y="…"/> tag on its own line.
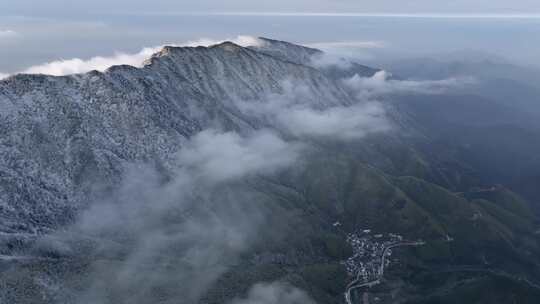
<point x="354" y="284"/>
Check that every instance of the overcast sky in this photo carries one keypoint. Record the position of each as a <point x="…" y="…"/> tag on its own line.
<point x="33" y="32"/>
<point x="75" y="7"/>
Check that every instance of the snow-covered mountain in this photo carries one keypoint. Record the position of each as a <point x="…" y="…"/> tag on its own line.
<point x="72" y="230"/>
<point x="60" y="136"/>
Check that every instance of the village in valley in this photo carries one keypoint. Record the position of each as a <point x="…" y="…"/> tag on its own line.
<point x="368" y="250"/>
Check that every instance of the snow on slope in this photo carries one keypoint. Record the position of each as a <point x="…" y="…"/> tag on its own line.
<point x="62" y="136"/>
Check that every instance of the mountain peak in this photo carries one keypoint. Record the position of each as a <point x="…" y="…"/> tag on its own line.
<point x="228" y="46"/>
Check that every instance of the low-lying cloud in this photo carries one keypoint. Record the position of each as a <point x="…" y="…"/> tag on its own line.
<point x="102" y="63"/>
<point x="274" y="293"/>
<point x="294" y="111"/>
<point x="153" y="239"/>
<point x="77" y="65"/>
<point x="219" y="156"/>
<point x="346" y="123"/>
<point x="382" y="83"/>
<point x="173" y="234"/>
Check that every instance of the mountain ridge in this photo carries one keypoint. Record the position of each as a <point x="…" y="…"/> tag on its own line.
<point x="63" y="137"/>
<point x="188" y="89"/>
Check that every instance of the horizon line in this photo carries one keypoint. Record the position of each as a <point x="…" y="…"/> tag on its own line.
<point x="338" y="14"/>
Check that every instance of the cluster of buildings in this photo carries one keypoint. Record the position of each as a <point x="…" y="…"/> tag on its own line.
<point x="368" y="249"/>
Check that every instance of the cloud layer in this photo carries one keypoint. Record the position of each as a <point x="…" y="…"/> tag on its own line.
<point x="346" y="123"/>
<point x="77" y="65"/>
<point x="173" y="233"/>
<point x="101" y="63"/>
<point x="219" y="156"/>
<point x="382" y="83"/>
<point x="294" y="112"/>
